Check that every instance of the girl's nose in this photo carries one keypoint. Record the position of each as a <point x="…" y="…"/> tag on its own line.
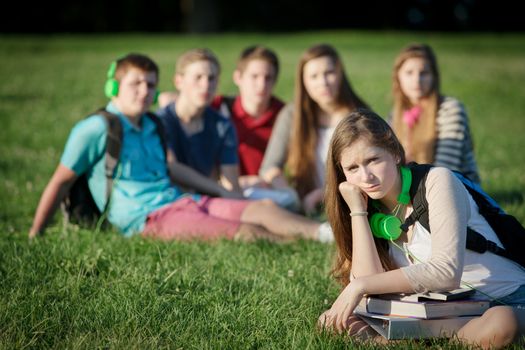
<point x="366" y="175"/>
<point x="324" y="80"/>
<point x="144" y="89"/>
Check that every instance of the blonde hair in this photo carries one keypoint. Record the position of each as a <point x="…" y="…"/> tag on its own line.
<point x="419" y="141"/>
<point x="360" y="124"/>
<point x="303" y="142"/>
<point x="196" y="55"/>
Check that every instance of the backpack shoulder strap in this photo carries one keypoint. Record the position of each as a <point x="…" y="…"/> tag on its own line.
<point x="474" y="240"/>
<point x="229" y="100"/>
<point x="114" y="144"/>
<point x="113" y="147"/>
<point x="226" y="106"/>
<point x="495" y="217"/>
<point x="418" y="196"/>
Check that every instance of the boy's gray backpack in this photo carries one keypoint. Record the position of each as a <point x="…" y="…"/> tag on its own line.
<point x="78" y="206"/>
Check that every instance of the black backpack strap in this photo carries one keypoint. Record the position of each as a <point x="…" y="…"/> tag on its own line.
<point x="229" y="100"/>
<point x="226" y="106"/>
<point x="113" y="148"/>
<point x="508" y="229"/>
<point x="478" y="243"/>
<point x="418" y="196"/>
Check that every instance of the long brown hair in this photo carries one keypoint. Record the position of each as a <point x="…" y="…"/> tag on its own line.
<point x="303" y="143"/>
<point x="360" y="124"/>
<point x="420" y="141"/>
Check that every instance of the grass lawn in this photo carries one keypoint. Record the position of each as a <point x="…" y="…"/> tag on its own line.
<point x="80" y="289"/>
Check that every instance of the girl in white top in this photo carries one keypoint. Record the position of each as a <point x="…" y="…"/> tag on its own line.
<point x="300" y="137"/>
<point x="363" y="165"/>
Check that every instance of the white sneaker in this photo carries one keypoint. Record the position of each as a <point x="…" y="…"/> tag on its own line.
<point x="284" y="197"/>
<point x="326" y="234"/>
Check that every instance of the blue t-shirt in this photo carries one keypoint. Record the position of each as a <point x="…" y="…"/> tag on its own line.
<point x="141" y="183"/>
<point x="204" y="151"/>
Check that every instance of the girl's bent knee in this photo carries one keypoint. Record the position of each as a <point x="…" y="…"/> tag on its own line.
<point x="505" y="317"/>
<point x="502" y="327"/>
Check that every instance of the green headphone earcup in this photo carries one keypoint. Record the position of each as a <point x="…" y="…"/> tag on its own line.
<point x="156" y="98"/>
<point x="111" y="88"/>
<point x="375" y="224"/>
<point x="406" y="182"/>
<point x="385" y="226"/>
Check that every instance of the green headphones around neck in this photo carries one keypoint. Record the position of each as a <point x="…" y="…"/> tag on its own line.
<point x="388" y="226"/>
<point x="112" y="84"/>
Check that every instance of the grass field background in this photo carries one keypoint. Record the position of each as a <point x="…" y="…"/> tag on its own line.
<point x="79" y="289"/>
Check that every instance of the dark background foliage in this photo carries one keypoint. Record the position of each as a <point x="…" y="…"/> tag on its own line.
<point x="199" y="16"/>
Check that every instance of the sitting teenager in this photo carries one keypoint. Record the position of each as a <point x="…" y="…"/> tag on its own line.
<point x="299" y="142"/>
<point x="144" y="198"/>
<point x="366" y="174"/>
<point x="204" y="139"/>
<point x="253" y="111"/>
<point x="432" y="128"/>
<point x="199" y="136"/>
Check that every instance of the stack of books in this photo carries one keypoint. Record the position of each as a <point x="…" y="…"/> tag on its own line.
<point x="421" y="315"/>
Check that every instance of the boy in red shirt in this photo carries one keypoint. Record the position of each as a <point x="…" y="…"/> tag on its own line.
<point x="255" y="109"/>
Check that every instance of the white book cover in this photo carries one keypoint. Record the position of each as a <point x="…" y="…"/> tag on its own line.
<point x="455" y="294"/>
<point x="423" y="309"/>
<point x="393" y="327"/>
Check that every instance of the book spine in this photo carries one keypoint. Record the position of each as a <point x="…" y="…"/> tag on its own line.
<point x="419" y="329"/>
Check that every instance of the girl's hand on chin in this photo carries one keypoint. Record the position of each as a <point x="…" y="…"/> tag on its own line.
<point x="354" y="197"/>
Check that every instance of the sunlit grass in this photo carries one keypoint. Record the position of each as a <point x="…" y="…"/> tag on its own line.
<point x="78" y="289"/>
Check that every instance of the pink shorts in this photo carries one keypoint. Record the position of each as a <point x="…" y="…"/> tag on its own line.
<point x="209" y="218"/>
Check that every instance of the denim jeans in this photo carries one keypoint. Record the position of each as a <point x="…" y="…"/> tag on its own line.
<point x="515" y="299"/>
